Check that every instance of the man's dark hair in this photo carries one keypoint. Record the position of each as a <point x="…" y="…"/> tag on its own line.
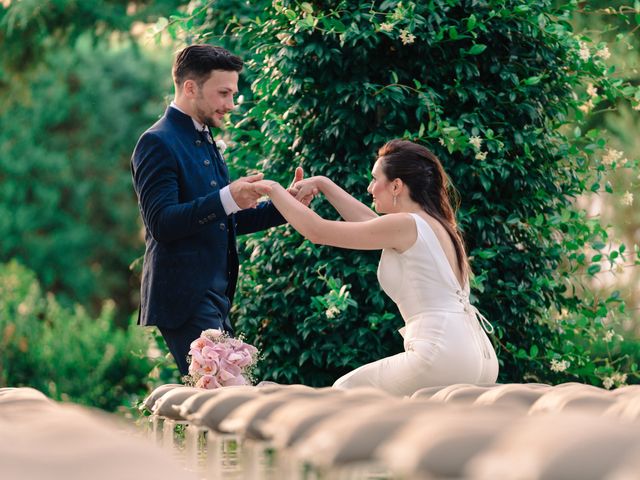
<point x="196" y="62"/>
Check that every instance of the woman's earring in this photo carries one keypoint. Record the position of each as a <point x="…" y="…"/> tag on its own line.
<point x="395" y="199"/>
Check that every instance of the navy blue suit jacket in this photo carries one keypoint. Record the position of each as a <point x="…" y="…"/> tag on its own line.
<point x="177" y="177"/>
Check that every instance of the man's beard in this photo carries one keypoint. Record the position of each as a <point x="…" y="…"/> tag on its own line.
<point x="205" y="119"/>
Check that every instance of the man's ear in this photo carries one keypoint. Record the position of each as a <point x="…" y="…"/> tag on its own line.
<point x="190" y="88"/>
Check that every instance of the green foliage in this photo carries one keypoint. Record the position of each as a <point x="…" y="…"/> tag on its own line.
<point x="65" y="353"/>
<point x="30" y="29"/>
<point x="67" y="206"/>
<point x="335" y="80"/>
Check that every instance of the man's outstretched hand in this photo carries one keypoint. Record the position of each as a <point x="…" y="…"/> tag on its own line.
<point x="246" y="192"/>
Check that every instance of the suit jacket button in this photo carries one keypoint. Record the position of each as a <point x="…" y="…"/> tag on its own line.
<point x="222" y="227"/>
<point x="198" y="143"/>
<point x="200" y="222"/>
<point x="206" y="163"/>
<point x="213" y="183"/>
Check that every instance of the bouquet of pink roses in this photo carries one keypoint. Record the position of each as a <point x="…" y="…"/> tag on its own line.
<point x="217" y="360"/>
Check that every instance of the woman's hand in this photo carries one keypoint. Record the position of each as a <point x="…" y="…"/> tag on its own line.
<point x="304" y="190"/>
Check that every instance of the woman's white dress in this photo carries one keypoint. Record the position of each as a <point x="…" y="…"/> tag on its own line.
<point x="444" y="341"/>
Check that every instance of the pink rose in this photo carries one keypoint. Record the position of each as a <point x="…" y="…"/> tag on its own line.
<point x="209" y="382"/>
<point x="199" y="343"/>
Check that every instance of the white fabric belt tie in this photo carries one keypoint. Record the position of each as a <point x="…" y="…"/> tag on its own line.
<point x="463" y="298"/>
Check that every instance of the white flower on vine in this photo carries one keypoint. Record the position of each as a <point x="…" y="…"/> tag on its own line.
<point x="23" y="309"/>
<point x="332" y="311"/>
<point x="603" y="53"/>
<point x="608" y="336"/>
<point x="587" y="106"/>
<point x="386" y="27"/>
<point x="584" y="52"/>
<point x="481" y="156"/>
<point x="591" y="90"/>
<point x="627" y="198"/>
<point x="475" y="141"/>
<point x="407" y="37"/>
<point x="559" y="366"/>
<point x="607" y="382"/>
<point x="611" y="156"/>
<point x="442" y="142"/>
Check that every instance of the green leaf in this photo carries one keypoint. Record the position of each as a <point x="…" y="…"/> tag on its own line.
<point x="471" y="22"/>
<point x="593" y="269"/>
<point x="532" y="80"/>
<point x="477" y="49"/>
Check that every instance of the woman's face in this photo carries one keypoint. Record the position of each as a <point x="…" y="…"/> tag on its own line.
<point x="380" y="189"/>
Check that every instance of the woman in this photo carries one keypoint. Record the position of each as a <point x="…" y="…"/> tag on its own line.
<point x="423" y="268"/>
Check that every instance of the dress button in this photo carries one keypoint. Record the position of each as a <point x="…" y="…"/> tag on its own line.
<point x="222" y="227"/>
<point x="213" y="183"/>
<point x="206" y="163"/>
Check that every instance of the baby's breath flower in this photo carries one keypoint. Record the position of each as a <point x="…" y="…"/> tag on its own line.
<point x="584" y="52"/>
<point x="603" y="53"/>
<point x="441" y="142"/>
<point x="607" y="382"/>
<point x="481" y="156"/>
<point x="475" y="141"/>
<point x="619" y="378"/>
<point x="407" y="37"/>
<point x="386" y="27"/>
<point x="559" y="366"/>
<point x="608" y="336"/>
<point x="611" y="156"/>
<point x="619" y="268"/>
<point x="627" y="198"/>
<point x="591" y="90"/>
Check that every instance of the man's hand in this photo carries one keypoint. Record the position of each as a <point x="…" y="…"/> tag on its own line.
<point x="300" y="188"/>
<point x="247" y="190"/>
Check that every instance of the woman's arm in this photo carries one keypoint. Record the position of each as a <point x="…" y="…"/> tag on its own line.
<point x="396" y="231"/>
<point x="348" y="207"/>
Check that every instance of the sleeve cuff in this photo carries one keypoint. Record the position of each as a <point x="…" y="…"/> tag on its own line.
<point x="228" y="203"/>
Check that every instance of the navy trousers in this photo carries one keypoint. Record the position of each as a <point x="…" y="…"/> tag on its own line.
<point x="208" y="315"/>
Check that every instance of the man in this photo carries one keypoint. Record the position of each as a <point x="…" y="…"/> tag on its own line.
<point x="190" y="209"/>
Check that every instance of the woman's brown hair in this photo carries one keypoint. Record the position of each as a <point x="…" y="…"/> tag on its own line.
<point x="421" y="171"/>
